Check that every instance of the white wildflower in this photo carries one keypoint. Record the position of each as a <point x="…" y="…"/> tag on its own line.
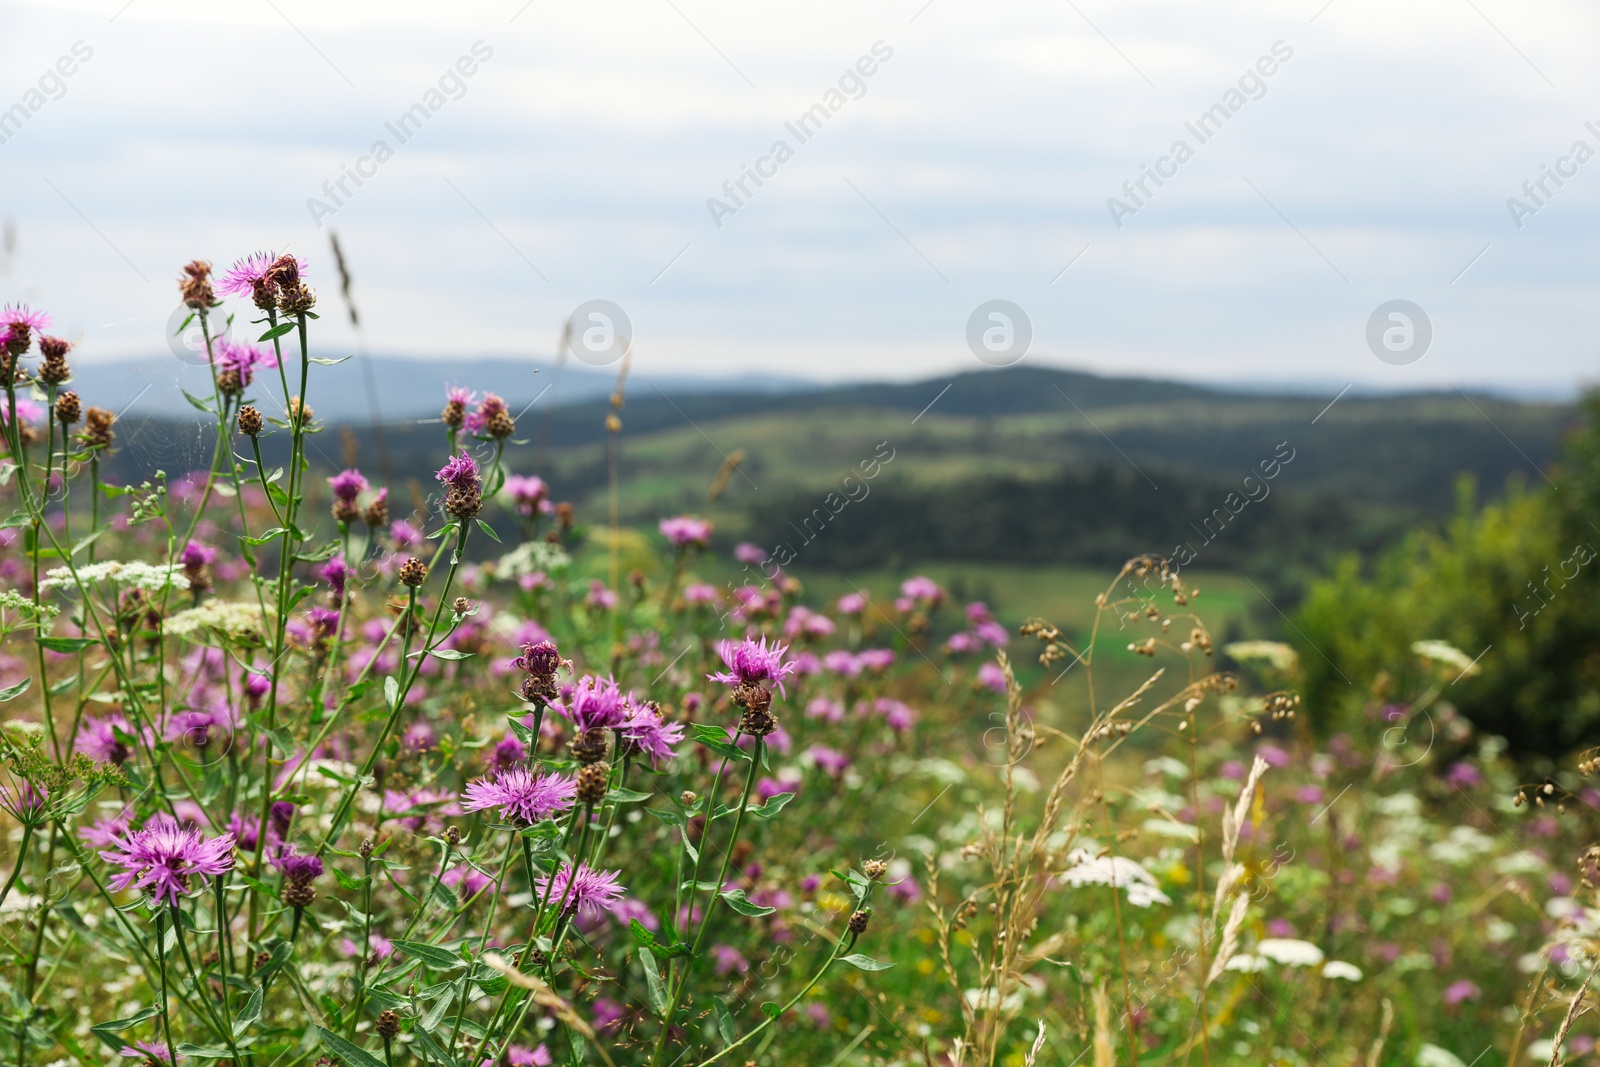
<point x="1275" y="654"/>
<point x="135" y="574"/>
<point x="1446" y="655"/>
<point x="1290" y="952"/>
<point x="1090" y="869"/>
<point x="1348" y="972"/>
<point x="529" y="558"/>
<point x="1245" y="962"/>
<point x="1434" y="1056"/>
<point x="11" y="600"/>
<point x="230" y="617"/>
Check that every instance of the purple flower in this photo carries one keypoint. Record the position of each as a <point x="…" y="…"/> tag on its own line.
<point x="600" y="598"/>
<point x="153" y="1051"/>
<point x="242" y="358"/>
<point x="1463" y="775"/>
<point x="508" y="753"/>
<point x="27" y="411"/>
<point x="523" y="1056"/>
<point x="1456" y="992"/>
<point x="728" y="959"/>
<point x="842" y="661"/>
<point x="852" y="604"/>
<point x="162" y="857"/>
<point x="829" y="761"/>
<point x="527" y="493"/>
<point x="825" y="709"/>
<point x="588" y="891"/>
<point x="196" y="555"/>
<point x="700" y="593"/>
<point x="685" y="531"/>
<point x="991" y="677"/>
<point x="15" y="315"/>
<point x="745" y="552"/>
<point x="404" y="535"/>
<point x="651" y="734"/>
<point x="595" y="702"/>
<point x="922" y="588"/>
<point x="460" y="473"/>
<point x="488" y="408"/>
<point x="875" y="659"/>
<point x="297" y="868"/>
<point x="250" y="273"/>
<point x="347" y="485"/>
<point x="540" y="658"/>
<point x="336" y="572"/>
<point x="100" y="741"/>
<point x="324" y="621"/>
<point x="899" y="716"/>
<point x="522" y="796"/>
<point x="752" y="662"/>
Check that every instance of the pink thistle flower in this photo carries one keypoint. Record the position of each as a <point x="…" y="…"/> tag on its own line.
<point x="404" y="535"/>
<point x="600" y="598"/>
<point x="875" y="659"/>
<point x="585" y="890"/>
<point x="752" y="662"/>
<point x="508" y="753"/>
<point x="651" y="734"/>
<point x="460" y="473"/>
<point x="21" y="315"/>
<point x="685" y="531"/>
<point x="700" y="593"/>
<point x="900" y="717"/>
<point x="27" y="411"/>
<point x="922" y="588"/>
<point x="991" y="677"/>
<point x="489" y="407"/>
<point x="336" y="572"/>
<point x="830" y="761"/>
<point x="295" y="868"/>
<point x="152" y="1051"/>
<point x="527" y="492"/>
<point x="347" y="485"/>
<point x="162" y="857"/>
<point x="1456" y="992"/>
<point x="852" y="604"/>
<point x="745" y="552"/>
<point x="825" y="709"/>
<point x="523" y="1056"/>
<point x="595" y="702"/>
<point x="522" y="797"/>
<point x="250" y="273"/>
<point x="243" y="358"/>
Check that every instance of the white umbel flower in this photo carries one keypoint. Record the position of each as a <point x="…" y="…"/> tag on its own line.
<point x="1090" y="869"/>
<point x="134" y="573"/>
<point x="1290" y="952"/>
<point x="1245" y="962"/>
<point x="1347" y="972"/>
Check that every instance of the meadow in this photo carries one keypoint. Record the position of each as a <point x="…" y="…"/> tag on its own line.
<point x="302" y="768"/>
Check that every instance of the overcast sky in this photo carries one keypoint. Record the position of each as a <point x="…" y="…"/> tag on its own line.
<point x="1373" y="164"/>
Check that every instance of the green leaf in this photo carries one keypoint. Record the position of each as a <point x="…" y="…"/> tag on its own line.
<point x="865" y="963"/>
<point x="391" y="691"/>
<point x="324" y="361"/>
<point x="449" y="653"/>
<point x="271" y="535"/>
<point x="203" y="405"/>
<point x="626" y="796"/>
<point x="116" y="1026"/>
<point x="353" y="1055"/>
<point x="724" y="1021"/>
<point x="772" y="806"/>
<point x="203" y="1052"/>
<point x="14" y="691"/>
<point x="88" y="539"/>
<point x="738" y="902"/>
<point x="656" y="989"/>
<point x="716" y="739"/>
<point x="771" y="1010"/>
<point x="67" y="644"/>
<point x="276" y="332"/>
<point x="432" y="955"/>
<point x="15" y="520"/>
<point x="486" y="528"/>
<point x="640" y="934"/>
<point x="251" y="1012"/>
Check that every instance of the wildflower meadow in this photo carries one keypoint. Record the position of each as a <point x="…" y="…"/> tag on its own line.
<point x="303" y="769"/>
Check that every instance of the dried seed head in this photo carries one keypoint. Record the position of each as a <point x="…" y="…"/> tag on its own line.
<point x="298" y="894"/>
<point x="592" y="782"/>
<point x="452" y="836"/>
<point x="68" y="408"/>
<point x="366" y="849"/>
<point x="250" y="421"/>
<point x="688" y="797"/>
<point x="195" y="285"/>
<point x="388" y="1024"/>
<point x="501" y="425"/>
<point x="590" y="746"/>
<point x="758" y="722"/>
<point x="464" y="500"/>
<point x="454" y="414"/>
<point x="461" y="605"/>
<point x="97" y="427"/>
<point x="377" y="512"/>
<point x="858" y="922"/>
<point x="413" y="572"/>
<point x="874" y="869"/>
